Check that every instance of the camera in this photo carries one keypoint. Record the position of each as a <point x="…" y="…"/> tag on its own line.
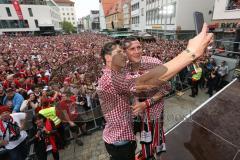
<point x="41" y="133"/>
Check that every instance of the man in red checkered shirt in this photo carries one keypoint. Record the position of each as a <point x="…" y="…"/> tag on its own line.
<point x="138" y="65"/>
<point x="114" y="91"/>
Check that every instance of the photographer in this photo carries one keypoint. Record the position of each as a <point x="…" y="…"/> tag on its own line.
<point x="12" y="135"/>
<point x="211" y="80"/>
<point x="43" y="134"/>
<point x="30" y="103"/>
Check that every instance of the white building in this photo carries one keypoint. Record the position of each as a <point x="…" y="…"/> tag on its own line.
<point x="138" y="15"/>
<point x="104" y="7"/>
<point x="67" y="11"/>
<point x="80" y="27"/>
<point x="127" y="15"/>
<point x="86" y="23"/>
<point x="35" y="16"/>
<point x="90" y="22"/>
<point x="102" y="17"/>
<point x="94" y="20"/>
<point x="155" y="16"/>
<point x="226" y="14"/>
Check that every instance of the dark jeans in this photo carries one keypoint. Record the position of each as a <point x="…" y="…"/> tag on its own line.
<point x="124" y="152"/>
<point x="236" y="45"/>
<point x="194" y="88"/>
<point x="20" y="152"/>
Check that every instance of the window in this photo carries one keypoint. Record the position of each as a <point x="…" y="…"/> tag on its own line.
<point x="36" y="23"/>
<point x="64" y="18"/>
<point x="68" y="14"/>
<point x="14" y="24"/>
<point x="72" y="18"/>
<point x="68" y="18"/>
<point x="72" y="14"/>
<point x="233" y="4"/>
<point x="8" y="12"/>
<point x="4" y="23"/>
<point x="135" y="20"/>
<point x="142" y="11"/>
<point x="135" y="6"/>
<point x="30" y="12"/>
<point x="64" y="14"/>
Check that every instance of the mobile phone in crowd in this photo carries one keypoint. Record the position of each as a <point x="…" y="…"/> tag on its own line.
<point x="199" y="21"/>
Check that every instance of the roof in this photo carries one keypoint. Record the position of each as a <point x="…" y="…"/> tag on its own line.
<point x="64" y="1"/>
<point x="107" y="5"/>
<point x="117" y="7"/>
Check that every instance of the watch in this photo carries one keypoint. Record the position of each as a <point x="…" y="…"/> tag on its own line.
<point x="192" y="54"/>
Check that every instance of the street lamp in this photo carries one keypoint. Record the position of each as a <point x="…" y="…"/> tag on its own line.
<point x="166" y="11"/>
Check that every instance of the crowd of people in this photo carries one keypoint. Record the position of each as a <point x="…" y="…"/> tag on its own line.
<point x="41" y="76"/>
<point x="39" y="73"/>
<point x="208" y="75"/>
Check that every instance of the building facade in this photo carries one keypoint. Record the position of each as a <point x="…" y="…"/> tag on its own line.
<point x="138" y="15"/>
<point x="127" y="14"/>
<point x="80" y="27"/>
<point x="29" y="16"/>
<point x="226" y="15"/>
<point x="67" y="11"/>
<point x="94" y="20"/>
<point x="168" y="17"/>
<point x="90" y="22"/>
<point x="115" y="16"/>
<point x="104" y="7"/>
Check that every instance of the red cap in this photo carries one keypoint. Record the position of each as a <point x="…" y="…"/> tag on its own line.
<point x="4" y="109"/>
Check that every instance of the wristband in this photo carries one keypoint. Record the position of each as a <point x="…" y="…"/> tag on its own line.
<point x="193" y="56"/>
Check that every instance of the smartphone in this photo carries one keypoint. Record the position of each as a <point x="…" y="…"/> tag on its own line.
<point x="199" y="21"/>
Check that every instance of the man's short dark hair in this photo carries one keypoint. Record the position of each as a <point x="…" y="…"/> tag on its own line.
<point x="127" y="41"/>
<point x="10" y="90"/>
<point x="108" y="48"/>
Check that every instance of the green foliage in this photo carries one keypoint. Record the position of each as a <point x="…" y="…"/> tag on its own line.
<point x="68" y="27"/>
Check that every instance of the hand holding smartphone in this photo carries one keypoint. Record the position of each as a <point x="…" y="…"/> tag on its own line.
<point x="199" y="21"/>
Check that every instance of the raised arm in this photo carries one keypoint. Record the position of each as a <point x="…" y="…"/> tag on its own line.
<point x="159" y="75"/>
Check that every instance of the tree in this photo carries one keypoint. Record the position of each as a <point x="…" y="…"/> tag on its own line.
<point x="68" y="27"/>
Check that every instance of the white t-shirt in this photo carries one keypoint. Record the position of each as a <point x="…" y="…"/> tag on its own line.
<point x="17" y="117"/>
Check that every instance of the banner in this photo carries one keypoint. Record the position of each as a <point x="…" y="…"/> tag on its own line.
<point x="17" y="9"/>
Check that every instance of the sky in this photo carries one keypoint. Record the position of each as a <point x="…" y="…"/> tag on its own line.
<point x="83" y="7"/>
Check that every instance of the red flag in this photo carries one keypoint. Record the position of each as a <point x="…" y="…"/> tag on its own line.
<point x="17" y="9"/>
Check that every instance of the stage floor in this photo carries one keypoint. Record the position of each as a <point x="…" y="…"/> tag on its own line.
<point x="211" y="132"/>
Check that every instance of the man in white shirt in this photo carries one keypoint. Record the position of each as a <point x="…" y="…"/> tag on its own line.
<point x="12" y="135"/>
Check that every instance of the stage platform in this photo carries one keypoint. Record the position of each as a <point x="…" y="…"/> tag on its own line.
<point x="211" y="131"/>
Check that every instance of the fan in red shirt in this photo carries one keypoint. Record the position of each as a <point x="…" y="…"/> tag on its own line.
<point x="67" y="111"/>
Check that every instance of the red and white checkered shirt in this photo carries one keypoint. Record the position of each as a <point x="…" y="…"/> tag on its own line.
<point x="146" y="64"/>
<point x="114" y="91"/>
